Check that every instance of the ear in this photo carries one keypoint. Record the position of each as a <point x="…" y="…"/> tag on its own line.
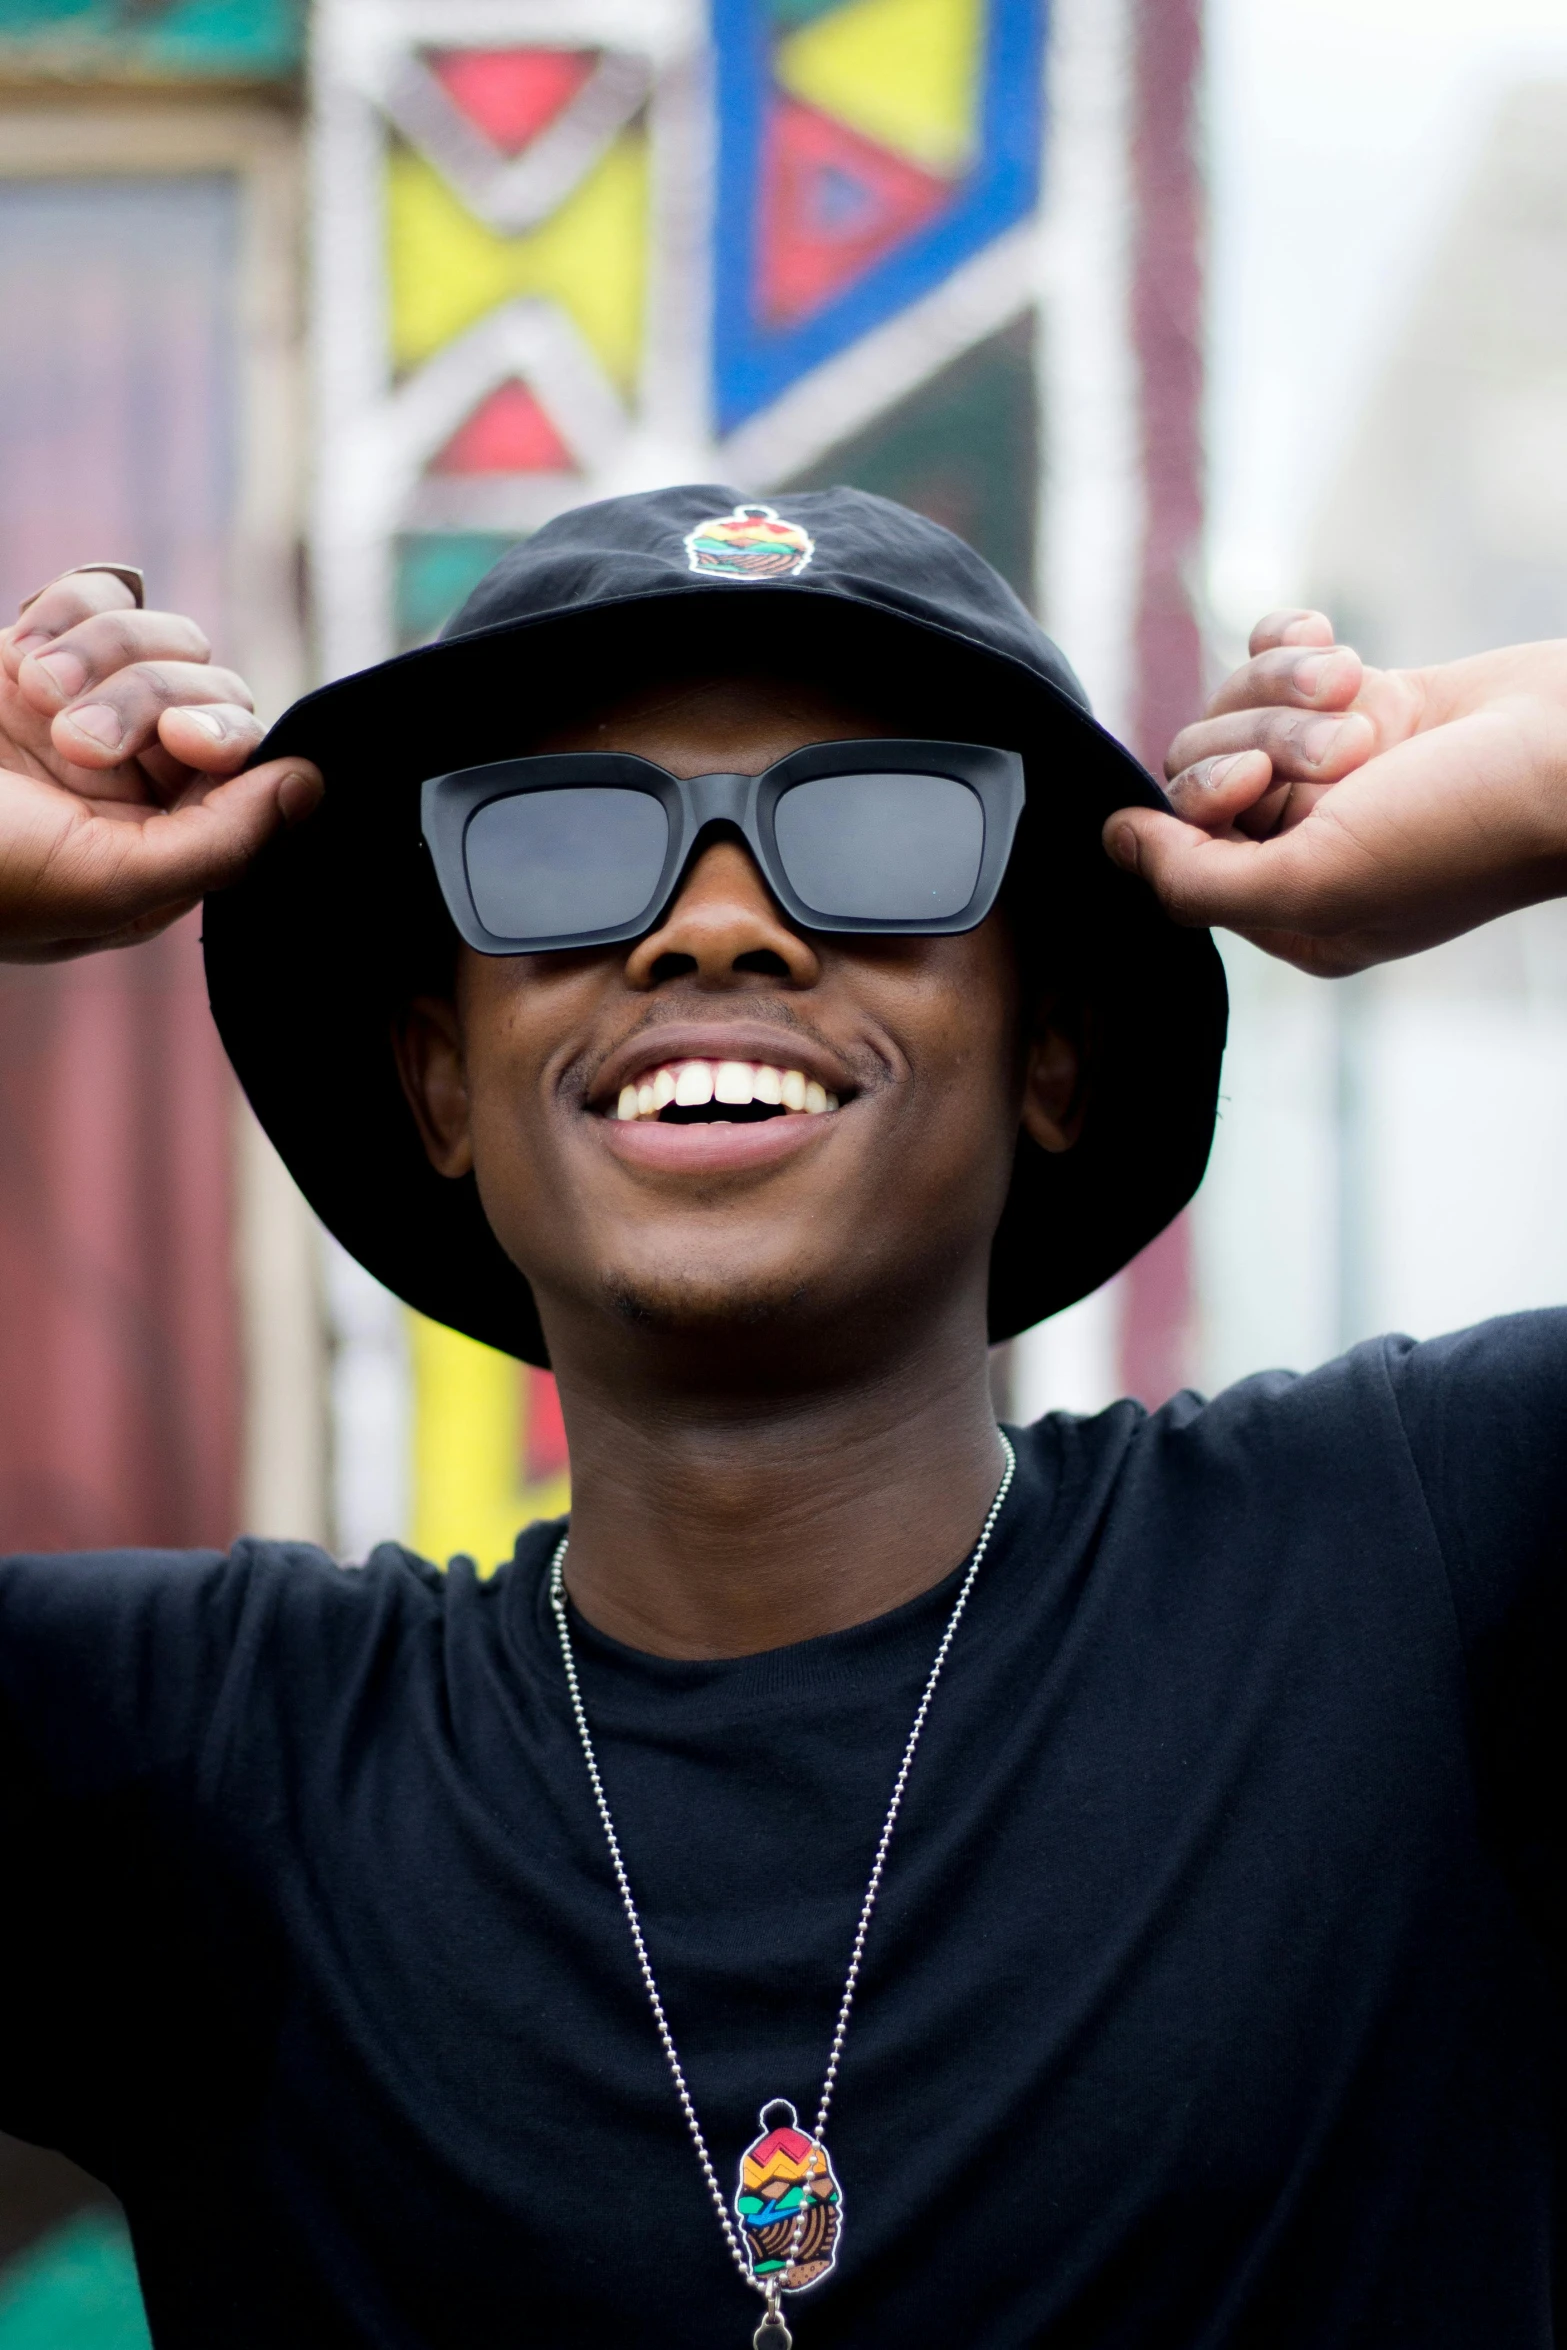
<point x="427" y="1042"/>
<point x="1053" y="1087"/>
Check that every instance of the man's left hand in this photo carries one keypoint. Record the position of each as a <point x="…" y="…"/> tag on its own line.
<point x="1341" y="816"/>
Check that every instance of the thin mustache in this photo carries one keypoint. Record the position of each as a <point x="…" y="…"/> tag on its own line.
<point x="780" y="1016"/>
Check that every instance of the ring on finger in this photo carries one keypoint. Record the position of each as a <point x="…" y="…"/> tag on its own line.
<point x="130" y="575"/>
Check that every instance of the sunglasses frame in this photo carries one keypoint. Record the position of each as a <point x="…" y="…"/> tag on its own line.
<point x="449" y="803"/>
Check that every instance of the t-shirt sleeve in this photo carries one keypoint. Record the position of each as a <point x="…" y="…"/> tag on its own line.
<point x="1485" y="1416"/>
<point x="113" y="1668"/>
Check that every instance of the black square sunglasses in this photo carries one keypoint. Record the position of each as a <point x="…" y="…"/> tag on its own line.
<point x="586" y="848"/>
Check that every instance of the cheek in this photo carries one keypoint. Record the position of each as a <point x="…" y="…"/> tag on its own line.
<point x="980" y="1108"/>
<point x="509" y="1021"/>
<point x="966" y="1038"/>
<point x="953" y="1018"/>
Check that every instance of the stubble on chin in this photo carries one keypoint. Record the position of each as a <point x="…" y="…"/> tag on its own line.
<point x="687" y="1303"/>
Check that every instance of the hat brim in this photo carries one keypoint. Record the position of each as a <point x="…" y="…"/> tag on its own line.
<point x="310" y="954"/>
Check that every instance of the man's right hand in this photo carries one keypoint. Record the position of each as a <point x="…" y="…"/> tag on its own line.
<point x="117" y="742"/>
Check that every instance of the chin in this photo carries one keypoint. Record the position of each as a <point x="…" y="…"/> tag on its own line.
<point x="705" y="1304"/>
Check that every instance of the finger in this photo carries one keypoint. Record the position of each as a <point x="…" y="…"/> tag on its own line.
<point x="215" y="739"/>
<point x="63" y="606"/>
<point x="1296" y="743"/>
<point x="1291" y="627"/>
<point x="1280" y="809"/>
<point x="169" y="778"/>
<point x="118" y="718"/>
<point x="1214" y="792"/>
<point x="1327" y="680"/>
<point x="108" y="876"/>
<point x="62" y="670"/>
<point x="1244" y="885"/>
<point x="208" y="839"/>
<point x="1241" y="794"/>
<point x="223" y="750"/>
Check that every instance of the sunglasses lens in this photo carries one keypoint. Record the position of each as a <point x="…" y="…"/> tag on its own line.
<point x="547" y="864"/>
<point x="881" y="848"/>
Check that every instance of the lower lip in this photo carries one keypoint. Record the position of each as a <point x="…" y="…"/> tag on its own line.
<point x="714" y="1149"/>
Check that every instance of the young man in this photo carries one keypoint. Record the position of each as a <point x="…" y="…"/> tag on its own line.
<point x="882" y="1880"/>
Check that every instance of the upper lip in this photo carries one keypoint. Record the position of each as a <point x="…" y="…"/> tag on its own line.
<point x="738" y="1040"/>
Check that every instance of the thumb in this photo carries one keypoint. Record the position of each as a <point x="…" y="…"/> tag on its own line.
<point x="284" y="791"/>
<point x="214" y="829"/>
<point x="123" y="872"/>
<point x="1198" y="879"/>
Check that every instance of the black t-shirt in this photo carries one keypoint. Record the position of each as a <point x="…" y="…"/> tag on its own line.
<point x="1210" y="1999"/>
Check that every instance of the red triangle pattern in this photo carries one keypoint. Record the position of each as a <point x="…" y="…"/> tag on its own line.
<point x="512" y="94"/>
<point x="507" y="433"/>
<point x="832" y="205"/>
<point x="546" y="1438"/>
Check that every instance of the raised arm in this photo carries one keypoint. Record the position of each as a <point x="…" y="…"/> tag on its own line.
<point x="1341" y="816"/>
<point x="121" y="803"/>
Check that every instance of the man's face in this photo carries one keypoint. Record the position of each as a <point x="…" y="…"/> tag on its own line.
<point x="810" y="1228"/>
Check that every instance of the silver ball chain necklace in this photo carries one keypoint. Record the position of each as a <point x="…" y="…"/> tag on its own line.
<point x="787" y="2225"/>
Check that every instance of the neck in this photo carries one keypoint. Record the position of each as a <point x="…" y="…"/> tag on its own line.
<point x="726" y="1519"/>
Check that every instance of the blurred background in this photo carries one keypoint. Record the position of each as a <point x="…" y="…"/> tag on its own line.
<point x="1178" y="312"/>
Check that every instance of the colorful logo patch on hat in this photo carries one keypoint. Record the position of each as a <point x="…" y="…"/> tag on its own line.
<point x="753" y="542"/>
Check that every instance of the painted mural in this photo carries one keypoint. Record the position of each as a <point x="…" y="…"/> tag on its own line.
<point x="156" y="40"/>
<point x="780" y="242"/>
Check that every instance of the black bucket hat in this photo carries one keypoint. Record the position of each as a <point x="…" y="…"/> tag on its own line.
<point x="310" y="954"/>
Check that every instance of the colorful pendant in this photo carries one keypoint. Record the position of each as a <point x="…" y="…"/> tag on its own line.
<point x="789" y="2205"/>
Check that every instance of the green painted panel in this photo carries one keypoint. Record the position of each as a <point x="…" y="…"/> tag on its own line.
<point x="237" y="39"/>
<point x="789" y="13"/>
<point x="75" y="2290"/>
<point x="964" y="449"/>
<point x="436" y="572"/>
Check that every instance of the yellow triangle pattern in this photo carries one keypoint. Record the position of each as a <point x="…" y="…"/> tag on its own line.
<point x="903" y="72"/>
<point x="448" y="270"/>
<point x="469" y="1494"/>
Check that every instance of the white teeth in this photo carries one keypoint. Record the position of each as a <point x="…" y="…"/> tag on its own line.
<point x="692" y="1084"/>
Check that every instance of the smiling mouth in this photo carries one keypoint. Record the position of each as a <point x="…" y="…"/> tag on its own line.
<point x="720" y="1093"/>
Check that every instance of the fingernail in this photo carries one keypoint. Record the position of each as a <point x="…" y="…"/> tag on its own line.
<point x="1307" y="675"/>
<point x="1218" y="771"/>
<point x="99" y="723"/>
<point x="65" y="671"/>
<point x="1317" y="739"/>
<point x="299" y="796"/>
<point x="208" y="723"/>
<point x="1122" y="844"/>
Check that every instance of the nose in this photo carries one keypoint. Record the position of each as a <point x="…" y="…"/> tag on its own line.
<point x="723" y="930"/>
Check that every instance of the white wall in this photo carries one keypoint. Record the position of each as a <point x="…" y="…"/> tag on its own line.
<point x="1340" y="134"/>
